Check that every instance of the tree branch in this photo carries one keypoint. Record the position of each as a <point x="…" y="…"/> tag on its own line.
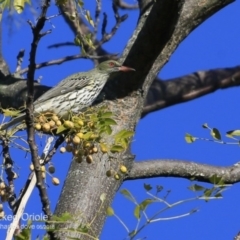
<point x="183" y="169"/>
<point x="163" y="94"/>
<point x="29" y="109"/>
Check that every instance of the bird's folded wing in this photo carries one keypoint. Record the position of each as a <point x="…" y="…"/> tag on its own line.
<point x="74" y="82"/>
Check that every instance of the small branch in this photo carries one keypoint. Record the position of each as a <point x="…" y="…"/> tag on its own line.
<point x="30" y="110"/>
<point x="21" y="207"/>
<point x="104" y="25"/>
<point x="65" y="59"/>
<point x="183" y="169"/>
<point x="53" y="150"/>
<point x="119" y="20"/>
<point x="123" y="5"/>
<point x="20" y="60"/>
<point x="97" y="16"/>
<point x="8" y="165"/>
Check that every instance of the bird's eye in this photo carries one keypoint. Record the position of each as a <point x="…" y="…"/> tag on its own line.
<point x="111" y="64"/>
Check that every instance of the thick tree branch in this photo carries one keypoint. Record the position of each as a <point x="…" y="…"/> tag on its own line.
<point x="178" y="90"/>
<point x="183" y="169"/>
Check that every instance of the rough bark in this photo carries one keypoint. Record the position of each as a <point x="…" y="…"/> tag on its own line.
<point x="162" y="26"/>
<point x="147" y="52"/>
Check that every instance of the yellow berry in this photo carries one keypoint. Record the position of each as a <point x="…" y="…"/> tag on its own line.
<point x="80" y="122"/>
<point x="89" y="159"/>
<point x="2" y="192"/>
<point x="95" y="150"/>
<point x="109" y="173"/>
<point x="123" y="169"/>
<point x="51" y="169"/>
<point x="78" y="159"/>
<point x="69" y="148"/>
<point x="51" y="123"/>
<point x="2" y="214"/>
<point x="76" y="140"/>
<point x="63" y="150"/>
<point x="68" y="124"/>
<point x="15" y="175"/>
<point x="90" y="124"/>
<point x="31" y="167"/>
<point x="37" y="126"/>
<point x="55" y="118"/>
<point x="68" y="140"/>
<point x="55" y="181"/>
<point x="46" y="127"/>
<point x="87" y="145"/>
<point x="75" y="152"/>
<point x="80" y="135"/>
<point x="2" y="185"/>
<point x="116" y="176"/>
<point x="42" y="119"/>
<point x="58" y="123"/>
<point x="4" y="198"/>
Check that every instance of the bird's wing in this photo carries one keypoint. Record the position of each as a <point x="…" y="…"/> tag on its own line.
<point x="73" y="82"/>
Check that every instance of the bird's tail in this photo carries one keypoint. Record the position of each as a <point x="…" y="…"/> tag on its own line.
<point x="13" y="122"/>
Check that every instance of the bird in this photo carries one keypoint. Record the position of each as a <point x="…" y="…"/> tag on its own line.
<point x="74" y="93"/>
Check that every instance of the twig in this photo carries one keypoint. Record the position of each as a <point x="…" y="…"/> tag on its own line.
<point x="123" y="5"/>
<point x="21" y="207"/>
<point x="65" y="59"/>
<point x="119" y="20"/>
<point x="20" y="204"/>
<point x="104" y="24"/>
<point x="97" y="15"/>
<point x="20" y="59"/>
<point x="54" y="149"/>
<point x="8" y="165"/>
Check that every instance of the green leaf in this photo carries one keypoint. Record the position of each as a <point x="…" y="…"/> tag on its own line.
<point x="215" y="134"/>
<point x="10" y="112"/>
<point x="234" y="133"/>
<point x="218" y="195"/>
<point x="106" y="115"/>
<point x="109" y="121"/>
<point x="87" y="135"/>
<point x="116" y="148"/>
<point x="147" y="187"/>
<point x="80" y="3"/>
<point x="19" y="5"/>
<point x="189" y="138"/>
<point x="89" y="18"/>
<point x="110" y="211"/>
<point x="216" y="180"/>
<point x="207" y="193"/>
<point x="128" y="195"/>
<point x="62" y="218"/>
<point x="61" y="129"/>
<point x="123" y="134"/>
<point x="137" y="212"/>
<point x="25" y="233"/>
<point x="143" y="205"/>
<point x="196" y="187"/>
<point x="132" y="233"/>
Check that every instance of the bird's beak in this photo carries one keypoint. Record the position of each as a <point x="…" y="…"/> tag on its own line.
<point x="126" y="69"/>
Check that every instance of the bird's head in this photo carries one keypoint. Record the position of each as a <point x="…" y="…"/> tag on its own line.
<point x="113" y="66"/>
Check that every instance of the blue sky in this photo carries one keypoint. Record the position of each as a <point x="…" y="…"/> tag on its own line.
<point x="160" y="135"/>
